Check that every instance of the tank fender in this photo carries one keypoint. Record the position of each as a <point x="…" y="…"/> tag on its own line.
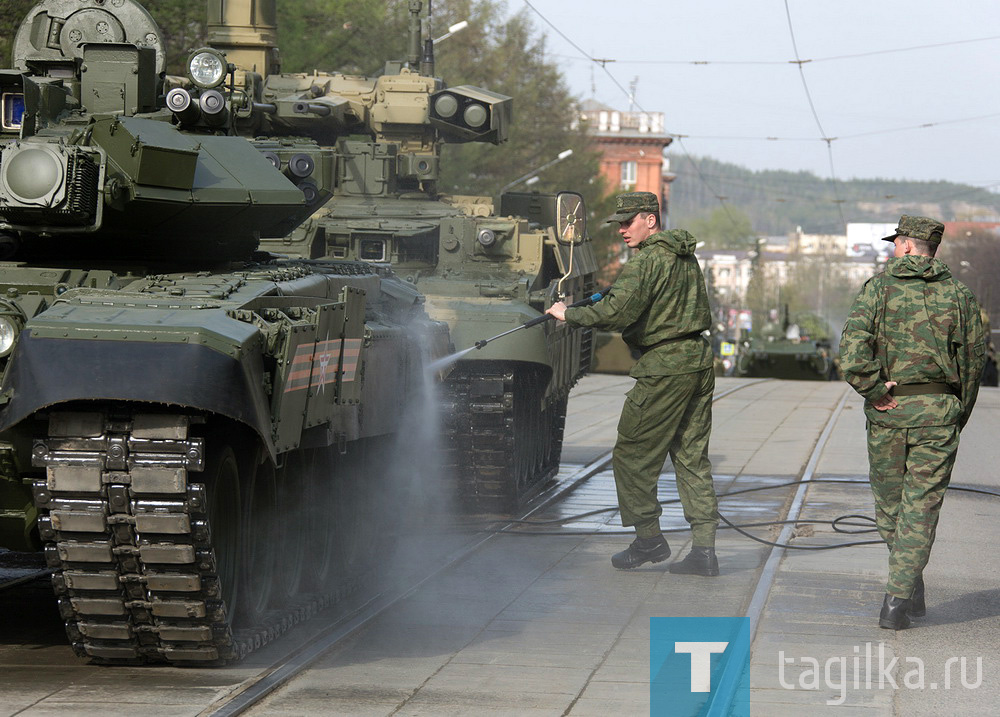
<point x="47" y="371"/>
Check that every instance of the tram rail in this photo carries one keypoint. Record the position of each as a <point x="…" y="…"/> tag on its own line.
<point x="288" y="666"/>
<point x="250" y="690"/>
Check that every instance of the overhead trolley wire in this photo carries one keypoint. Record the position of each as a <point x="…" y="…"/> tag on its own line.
<point x="815" y="114"/>
<point x="924" y="125"/>
<point x="813" y="60"/>
<point x="799" y="62"/>
<point x="677" y="137"/>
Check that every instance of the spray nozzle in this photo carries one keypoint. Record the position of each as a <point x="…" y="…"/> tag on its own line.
<point x="592" y="299"/>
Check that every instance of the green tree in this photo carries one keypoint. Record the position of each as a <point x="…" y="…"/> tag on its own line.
<point x="758" y="298"/>
<point x="182" y="24"/>
<point x="818" y="285"/>
<point x="11" y="14"/>
<point x="355" y="36"/>
<point x="723" y="228"/>
<point x="506" y="55"/>
<point x="973" y="258"/>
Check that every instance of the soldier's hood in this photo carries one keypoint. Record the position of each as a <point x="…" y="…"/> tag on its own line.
<point x="679" y="241"/>
<point x="917" y="267"/>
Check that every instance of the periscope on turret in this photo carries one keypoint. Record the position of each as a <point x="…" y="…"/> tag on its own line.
<point x="184" y="419"/>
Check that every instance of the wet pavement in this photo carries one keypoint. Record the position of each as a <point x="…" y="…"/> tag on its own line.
<point x="542" y="625"/>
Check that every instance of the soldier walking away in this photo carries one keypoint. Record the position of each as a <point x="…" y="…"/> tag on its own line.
<point x="660" y="304"/>
<point x="913" y="347"/>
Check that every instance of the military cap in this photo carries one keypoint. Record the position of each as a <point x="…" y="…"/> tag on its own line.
<point x="923" y="228"/>
<point x="631" y="203"/>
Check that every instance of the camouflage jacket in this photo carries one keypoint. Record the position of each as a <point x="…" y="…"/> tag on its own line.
<point x="915" y="323"/>
<point x="660" y="294"/>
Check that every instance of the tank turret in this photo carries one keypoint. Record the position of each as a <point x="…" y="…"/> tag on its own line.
<point x="92" y="161"/>
<point x="187" y="427"/>
<point x="485" y="265"/>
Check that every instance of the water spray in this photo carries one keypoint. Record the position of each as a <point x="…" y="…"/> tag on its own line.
<point x="443" y="363"/>
<point x="592" y="299"/>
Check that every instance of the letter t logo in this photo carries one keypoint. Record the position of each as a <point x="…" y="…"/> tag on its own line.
<point x="701" y="662"/>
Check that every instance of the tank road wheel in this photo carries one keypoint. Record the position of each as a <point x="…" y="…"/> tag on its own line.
<point x="520" y="449"/>
<point x="347" y="516"/>
<point x="225" y="519"/>
<point x="261" y="552"/>
<point x="530" y="435"/>
<point x="499" y="434"/>
<point x="553" y="428"/>
<point x="321" y="529"/>
<point x="291" y="540"/>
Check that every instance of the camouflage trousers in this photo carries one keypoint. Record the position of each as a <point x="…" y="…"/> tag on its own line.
<point x="667" y="415"/>
<point x="909" y="470"/>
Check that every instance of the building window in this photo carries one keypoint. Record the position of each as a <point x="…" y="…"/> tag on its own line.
<point x="629" y="172"/>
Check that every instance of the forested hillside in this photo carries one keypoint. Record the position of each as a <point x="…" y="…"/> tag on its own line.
<point x="776" y="202"/>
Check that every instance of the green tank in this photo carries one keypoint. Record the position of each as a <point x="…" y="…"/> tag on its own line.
<point x="192" y="432"/>
<point x="788" y="351"/>
<point x="485" y="266"/>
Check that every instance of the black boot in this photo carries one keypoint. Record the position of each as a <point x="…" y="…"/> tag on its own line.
<point x="918" y="608"/>
<point x="700" y="561"/>
<point x="642" y="550"/>
<point x="895" y="613"/>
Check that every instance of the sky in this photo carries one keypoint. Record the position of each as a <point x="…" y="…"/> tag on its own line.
<point x="921" y="103"/>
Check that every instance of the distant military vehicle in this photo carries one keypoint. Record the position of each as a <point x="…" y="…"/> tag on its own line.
<point x="485" y="267"/>
<point x="193" y="432"/>
<point x="785" y="351"/>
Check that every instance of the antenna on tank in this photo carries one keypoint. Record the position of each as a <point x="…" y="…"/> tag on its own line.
<point x="427" y="61"/>
<point x="413" y="55"/>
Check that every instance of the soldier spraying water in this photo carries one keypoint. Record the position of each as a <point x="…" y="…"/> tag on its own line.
<point x="660" y="304"/>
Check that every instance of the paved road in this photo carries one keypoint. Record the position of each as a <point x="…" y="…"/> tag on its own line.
<point x="542" y="625"/>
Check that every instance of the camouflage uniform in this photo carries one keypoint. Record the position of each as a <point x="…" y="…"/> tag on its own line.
<point x="916" y="325"/>
<point x="660" y="298"/>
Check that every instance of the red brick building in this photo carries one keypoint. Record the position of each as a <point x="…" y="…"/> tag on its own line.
<point x="632" y="145"/>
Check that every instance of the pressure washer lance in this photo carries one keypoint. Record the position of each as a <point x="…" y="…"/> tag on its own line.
<point x="592" y="299"/>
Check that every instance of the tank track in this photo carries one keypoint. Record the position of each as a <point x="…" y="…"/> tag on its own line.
<point x="500" y="448"/>
<point x="128" y="538"/>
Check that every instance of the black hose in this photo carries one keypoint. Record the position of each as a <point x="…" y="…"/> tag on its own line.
<point x="836" y="523"/>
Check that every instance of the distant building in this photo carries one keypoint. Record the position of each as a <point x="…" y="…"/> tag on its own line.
<point x="631" y="146"/>
<point x="778" y="244"/>
<point x="801" y="243"/>
<point x="962" y="230"/>
<point x="866" y="240"/>
<point x="728" y="272"/>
